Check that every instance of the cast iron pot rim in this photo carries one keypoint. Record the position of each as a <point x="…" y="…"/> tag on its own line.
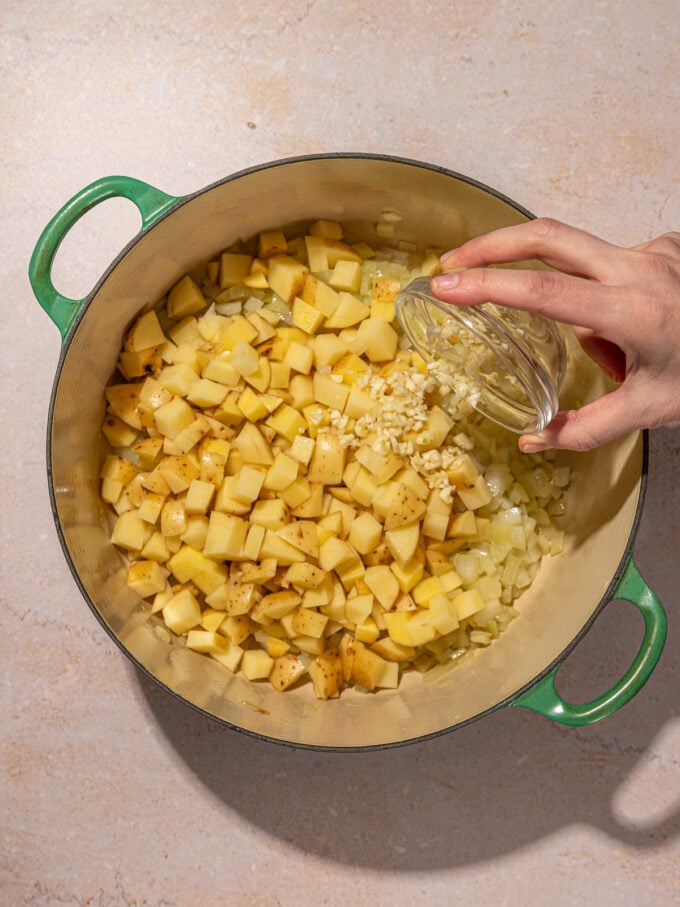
<point x="344" y="155"/>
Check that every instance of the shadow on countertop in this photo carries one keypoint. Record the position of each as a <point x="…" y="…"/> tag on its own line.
<point x="487" y="789"/>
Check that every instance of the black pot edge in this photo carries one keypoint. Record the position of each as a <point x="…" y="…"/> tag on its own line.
<point x="222" y="722"/>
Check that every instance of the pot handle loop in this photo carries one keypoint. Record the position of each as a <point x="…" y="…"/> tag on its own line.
<point x="543" y="697"/>
<point x="150" y="202"/>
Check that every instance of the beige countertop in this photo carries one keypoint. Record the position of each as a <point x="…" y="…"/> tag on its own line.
<point x="113" y="793"/>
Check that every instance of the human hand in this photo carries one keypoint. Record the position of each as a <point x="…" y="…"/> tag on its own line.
<point x="624" y="306"/>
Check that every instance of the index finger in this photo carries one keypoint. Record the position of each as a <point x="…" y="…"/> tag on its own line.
<point x="571" y="300"/>
<point x="552" y="242"/>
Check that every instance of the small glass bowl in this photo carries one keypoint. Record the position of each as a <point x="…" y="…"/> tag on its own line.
<point x="507" y="364"/>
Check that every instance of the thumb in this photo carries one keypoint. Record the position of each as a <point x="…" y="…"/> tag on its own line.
<point x="583" y="429"/>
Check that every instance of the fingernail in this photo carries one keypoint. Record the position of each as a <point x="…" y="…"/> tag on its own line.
<point x="446" y="256"/>
<point x="445" y="281"/>
<point x="532" y="444"/>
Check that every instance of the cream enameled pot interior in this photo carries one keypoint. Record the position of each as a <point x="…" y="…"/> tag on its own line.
<point x="439" y="210"/>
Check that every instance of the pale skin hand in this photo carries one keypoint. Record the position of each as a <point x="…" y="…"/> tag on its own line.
<point x="624" y="306"/>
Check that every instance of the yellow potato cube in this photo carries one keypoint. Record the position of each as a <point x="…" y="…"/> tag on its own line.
<point x="248" y="484"/>
<point x="118" y="469"/>
<point x="173" y="417"/>
<point x="330" y="392"/>
<point x="256" y="664"/>
<point x="144" y="333"/>
<point x="367" y="667"/>
<point x="271" y="242"/>
<point x="299" y="358"/>
<point x="117" y="432"/>
<point x="252" y="406"/>
<point x="403" y="542"/>
<point x="207" y="641"/>
<point x="282" y="551"/>
<point x="302" y="534"/>
<point x="307" y="622"/>
<point x="349" y="311"/>
<point x="206" y="393"/>
<point x="409" y="575"/>
<point x="477" y="496"/>
<point x="229" y="659"/>
<point x="244" y="358"/>
<point x="305" y="575"/>
<point x="358" y="608"/>
<point x="410" y="628"/>
<point x="156" y="549"/>
<point x="270" y="514"/>
<point x="146" y="578"/>
<point x="233" y="268"/>
<point x="260" y="378"/>
<point x="130" y="531"/>
<point x="111" y="491"/>
<point x="277" y="604"/>
<point x="286" y="277"/>
<point x="467" y="603"/>
<point x="199" y="496"/>
<point x="286" y="670"/>
<point x="301" y="449"/>
<point x="326" y="674"/>
<point x="316" y="254"/>
<point x="346" y="276"/>
<point x="148" y="452"/>
<point x="226" y="535"/>
<point x="281" y="473"/>
<point x="367" y="632"/>
<point x="185" y="298"/>
<point x="388" y="649"/>
<point x="365" y="533"/>
<point x="312" y="507"/>
<point x="277" y="647"/>
<point x="196" y="532"/>
<point x="178" y="472"/>
<point x="334" y="552"/>
<point x="305" y="316"/>
<point x="287" y="422"/>
<point x="182" y="613"/>
<point x="383" y="584"/>
<point x="295" y="494"/>
<point x="443" y="614"/>
<point x="150" y="508"/>
<point x="239" y="598"/>
<point x="327" y="463"/>
<point x="279" y="376"/>
<point x="252" y="446"/>
<point x="379" y="339"/>
<point x="238" y="330"/>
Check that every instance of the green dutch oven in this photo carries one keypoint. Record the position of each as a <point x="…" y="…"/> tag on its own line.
<point x="440" y="209"/>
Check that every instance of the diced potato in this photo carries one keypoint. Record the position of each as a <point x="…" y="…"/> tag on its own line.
<point x="349" y="311"/>
<point x="182" y="613"/>
<point x="378" y="338"/>
<point x="383" y="584"/>
<point x="256" y="664"/>
<point x="328" y="460"/>
<point x="130" y="531"/>
<point x="233" y="268"/>
<point x="146" y="578"/>
<point x="326" y="673"/>
<point x="367" y="667"/>
<point x="185" y="298"/>
<point x="286" y="670"/>
<point x="365" y="533"/>
<point x="286" y="277"/>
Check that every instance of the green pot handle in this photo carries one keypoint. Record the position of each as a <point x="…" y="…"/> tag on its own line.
<point x="151" y="203"/>
<point x="544" y="699"/>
